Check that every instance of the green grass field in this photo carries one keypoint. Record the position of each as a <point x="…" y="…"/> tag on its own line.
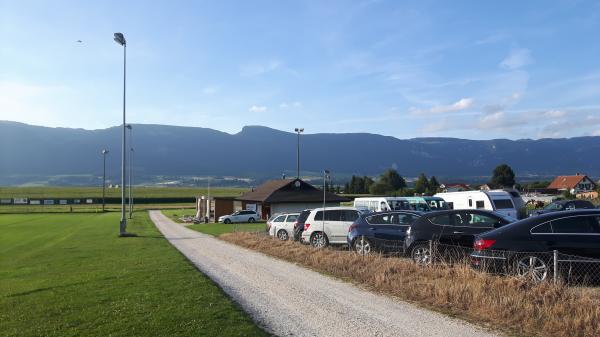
<point x="217" y="229"/>
<point x="70" y="275"/>
<point x="96" y="192"/>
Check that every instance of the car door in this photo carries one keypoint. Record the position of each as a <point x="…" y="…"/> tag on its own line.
<point x="469" y="224"/>
<point x="395" y="232"/>
<point x="289" y="222"/>
<point x="576" y="236"/>
<point x="442" y="230"/>
<point x="333" y="225"/>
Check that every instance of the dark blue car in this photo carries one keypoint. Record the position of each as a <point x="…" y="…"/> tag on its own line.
<point x="380" y="231"/>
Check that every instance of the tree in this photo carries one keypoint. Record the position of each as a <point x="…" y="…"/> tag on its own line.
<point x="503" y="176"/>
<point x="393" y="180"/>
<point x="422" y="184"/>
<point x="434" y="185"/>
<point x="366" y="184"/>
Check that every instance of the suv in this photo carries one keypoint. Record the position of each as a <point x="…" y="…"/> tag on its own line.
<point x="240" y="216"/>
<point x="332" y="228"/>
<point x="282" y="225"/>
<point x="564" y="205"/>
<point x="450" y="230"/>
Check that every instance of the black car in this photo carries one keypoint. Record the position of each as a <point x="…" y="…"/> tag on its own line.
<point x="449" y="230"/>
<point x="525" y="248"/>
<point x="564" y="205"/>
<point x="299" y="224"/>
<point x="380" y="231"/>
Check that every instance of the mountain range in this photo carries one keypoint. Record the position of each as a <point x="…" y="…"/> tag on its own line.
<point x="33" y="153"/>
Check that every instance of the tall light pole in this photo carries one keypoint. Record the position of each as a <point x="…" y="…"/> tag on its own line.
<point x="120" y="39"/>
<point x="104" y="153"/>
<point x="325" y="176"/>
<point x="298" y="131"/>
<point x="130" y="127"/>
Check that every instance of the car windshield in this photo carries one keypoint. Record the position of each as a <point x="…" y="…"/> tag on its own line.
<point x="396" y="205"/>
<point x="554" y="205"/>
<point x="437" y="205"/>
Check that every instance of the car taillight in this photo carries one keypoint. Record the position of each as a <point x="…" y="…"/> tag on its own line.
<point x="481" y="244"/>
<point x="306" y="225"/>
<point x="351" y="228"/>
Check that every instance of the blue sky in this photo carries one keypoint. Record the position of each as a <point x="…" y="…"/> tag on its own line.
<point x="469" y="69"/>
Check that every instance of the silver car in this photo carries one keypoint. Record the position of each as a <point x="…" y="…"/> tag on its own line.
<point x="240" y="216"/>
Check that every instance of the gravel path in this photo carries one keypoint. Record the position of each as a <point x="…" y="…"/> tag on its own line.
<point x="289" y="300"/>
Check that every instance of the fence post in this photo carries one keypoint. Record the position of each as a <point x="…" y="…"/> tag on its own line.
<point x="555" y="260"/>
<point x="362" y="244"/>
<point x="431" y="251"/>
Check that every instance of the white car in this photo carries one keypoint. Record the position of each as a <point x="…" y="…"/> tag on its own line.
<point x="240" y="216"/>
<point x="334" y="226"/>
<point x="282" y="225"/>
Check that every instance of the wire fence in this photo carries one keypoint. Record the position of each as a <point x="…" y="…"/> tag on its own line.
<point x="547" y="266"/>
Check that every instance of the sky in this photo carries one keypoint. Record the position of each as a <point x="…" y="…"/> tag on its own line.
<point x="467" y="69"/>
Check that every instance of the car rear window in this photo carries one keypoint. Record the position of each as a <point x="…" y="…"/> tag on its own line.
<point x="291" y="218"/>
<point x="503" y="203"/>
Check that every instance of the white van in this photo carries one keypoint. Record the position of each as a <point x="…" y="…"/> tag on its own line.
<point x="499" y="201"/>
<point x="334" y="224"/>
<point x="381" y="204"/>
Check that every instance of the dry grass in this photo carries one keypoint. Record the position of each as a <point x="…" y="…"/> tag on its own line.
<point x="504" y="303"/>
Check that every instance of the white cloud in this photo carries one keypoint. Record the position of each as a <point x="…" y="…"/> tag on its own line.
<point x="257" y="69"/>
<point x="462" y="104"/>
<point x="257" y="108"/>
<point x="555" y="113"/>
<point x="517" y="58"/>
<point x="291" y="105"/>
<point x="210" y="90"/>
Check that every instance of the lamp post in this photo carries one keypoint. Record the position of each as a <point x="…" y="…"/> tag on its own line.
<point x="325" y="176"/>
<point x="104" y="153"/>
<point x="298" y="131"/>
<point x="120" y="39"/>
<point x="130" y="180"/>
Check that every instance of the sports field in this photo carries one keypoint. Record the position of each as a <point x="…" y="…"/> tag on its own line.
<point x="71" y="275"/>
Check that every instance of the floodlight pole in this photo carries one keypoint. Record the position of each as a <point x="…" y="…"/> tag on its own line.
<point x="104" y="153"/>
<point x="325" y="175"/>
<point x="130" y="170"/>
<point x="298" y="131"/>
<point x="120" y="39"/>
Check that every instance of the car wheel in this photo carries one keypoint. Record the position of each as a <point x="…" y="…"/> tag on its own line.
<point x="362" y="246"/>
<point x="227" y="221"/>
<point x="532" y="268"/>
<point x="319" y="240"/>
<point x="421" y="254"/>
<point x="282" y="235"/>
<point x="251" y="220"/>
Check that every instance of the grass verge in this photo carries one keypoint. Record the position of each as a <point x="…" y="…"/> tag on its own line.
<point x="504" y="303"/>
<point x="217" y="229"/>
<point x="70" y="275"/>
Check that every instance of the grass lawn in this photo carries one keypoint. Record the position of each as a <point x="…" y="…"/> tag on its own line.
<point x="217" y="229"/>
<point x="70" y="275"/>
<point x="41" y="192"/>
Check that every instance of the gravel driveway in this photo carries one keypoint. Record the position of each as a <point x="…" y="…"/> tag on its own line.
<point x="289" y="300"/>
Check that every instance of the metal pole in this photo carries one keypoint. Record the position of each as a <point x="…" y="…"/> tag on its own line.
<point x="104" y="152"/>
<point x="555" y="254"/>
<point x="323" y="222"/>
<point x="123" y="225"/>
<point x="298" y="156"/>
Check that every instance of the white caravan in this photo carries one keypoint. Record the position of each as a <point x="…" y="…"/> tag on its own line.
<point x="499" y="201"/>
<point x="382" y="204"/>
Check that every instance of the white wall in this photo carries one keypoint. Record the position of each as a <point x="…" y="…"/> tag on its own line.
<point x="298" y="207"/>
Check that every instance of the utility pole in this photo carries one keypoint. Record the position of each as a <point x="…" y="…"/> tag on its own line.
<point x="104" y="153"/>
<point x="298" y="131"/>
<point x="120" y="39"/>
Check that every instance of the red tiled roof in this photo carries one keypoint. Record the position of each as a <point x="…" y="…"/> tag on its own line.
<point x="566" y="182"/>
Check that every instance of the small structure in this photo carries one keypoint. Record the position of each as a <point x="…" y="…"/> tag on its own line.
<point x="286" y="195"/>
<point x="576" y="184"/>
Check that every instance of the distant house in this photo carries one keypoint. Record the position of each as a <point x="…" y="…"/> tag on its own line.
<point x="576" y="184"/>
<point x="454" y="187"/>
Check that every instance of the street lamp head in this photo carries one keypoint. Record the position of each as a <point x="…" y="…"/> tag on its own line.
<point x="104" y="151"/>
<point x="120" y="39"/>
<point x="299" y="129"/>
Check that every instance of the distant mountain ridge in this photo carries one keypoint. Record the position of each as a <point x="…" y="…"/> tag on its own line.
<point x="258" y="151"/>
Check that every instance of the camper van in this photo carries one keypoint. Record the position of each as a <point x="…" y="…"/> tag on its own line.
<point x="379" y="204"/>
<point x="426" y="204"/>
<point x="499" y="201"/>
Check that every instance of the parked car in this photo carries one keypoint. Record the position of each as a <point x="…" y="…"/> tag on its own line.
<point x="325" y="226"/>
<point x="497" y="200"/>
<point x="299" y="224"/>
<point x="524" y="247"/>
<point x="240" y="216"/>
<point x="449" y="229"/>
<point x="379" y="204"/>
<point x="282" y="225"/>
<point x="380" y="231"/>
<point x="564" y="205"/>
